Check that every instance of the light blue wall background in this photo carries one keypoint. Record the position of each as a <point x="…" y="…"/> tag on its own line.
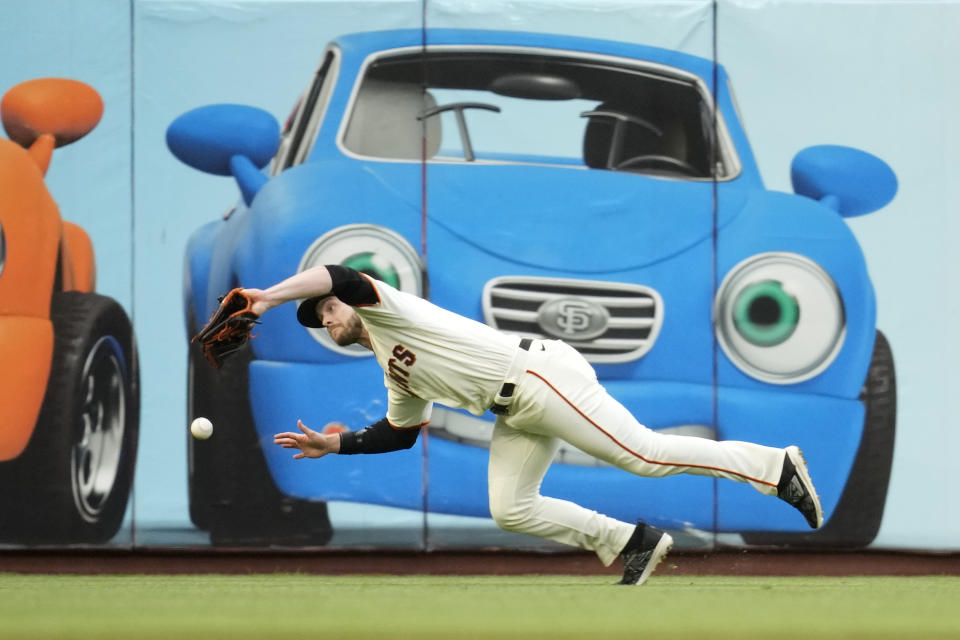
<point x="88" y="41"/>
<point x="189" y="54"/>
<point x="878" y="76"/>
<point x="881" y="77"/>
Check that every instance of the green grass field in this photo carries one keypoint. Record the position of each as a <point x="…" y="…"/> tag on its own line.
<point x="310" y="606"/>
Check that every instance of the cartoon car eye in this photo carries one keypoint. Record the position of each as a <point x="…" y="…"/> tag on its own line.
<point x="764" y="314"/>
<point x="779" y="317"/>
<point x="371" y="249"/>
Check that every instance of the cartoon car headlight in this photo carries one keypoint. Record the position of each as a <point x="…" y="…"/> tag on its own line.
<point x="371" y="249"/>
<point x="779" y="317"/>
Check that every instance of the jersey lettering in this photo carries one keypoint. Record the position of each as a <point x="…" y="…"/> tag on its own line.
<point x="404" y="355"/>
<point x="396" y="366"/>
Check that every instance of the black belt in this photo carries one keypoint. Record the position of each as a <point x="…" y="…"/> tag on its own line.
<point x="506" y="391"/>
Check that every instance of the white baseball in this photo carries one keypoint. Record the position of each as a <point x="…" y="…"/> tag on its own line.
<point x="201" y="428"/>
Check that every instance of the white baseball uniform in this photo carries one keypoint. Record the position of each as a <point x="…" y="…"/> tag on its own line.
<point x="429" y="354"/>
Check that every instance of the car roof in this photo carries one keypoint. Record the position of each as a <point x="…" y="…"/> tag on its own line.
<point x="369" y="42"/>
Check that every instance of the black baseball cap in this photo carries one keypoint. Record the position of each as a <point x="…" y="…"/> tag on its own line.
<point x="307" y="312"/>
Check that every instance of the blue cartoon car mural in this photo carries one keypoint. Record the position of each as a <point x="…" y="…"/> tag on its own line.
<point x="599" y="192"/>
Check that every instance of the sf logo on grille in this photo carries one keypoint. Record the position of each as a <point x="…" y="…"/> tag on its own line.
<point x="573" y="318"/>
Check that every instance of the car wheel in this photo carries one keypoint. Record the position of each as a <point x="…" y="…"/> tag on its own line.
<point x="72" y="482"/>
<point x="232" y="494"/>
<point x="856" y="519"/>
<point x="200" y="383"/>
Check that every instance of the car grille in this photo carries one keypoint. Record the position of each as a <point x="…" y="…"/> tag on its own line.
<point x="604" y="321"/>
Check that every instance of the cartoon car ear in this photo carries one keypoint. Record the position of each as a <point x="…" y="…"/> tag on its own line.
<point x="45" y="113"/>
<point x="851" y="181"/>
<point x="227" y="139"/>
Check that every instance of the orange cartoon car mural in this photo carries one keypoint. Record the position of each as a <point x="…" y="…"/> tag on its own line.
<point x="69" y="390"/>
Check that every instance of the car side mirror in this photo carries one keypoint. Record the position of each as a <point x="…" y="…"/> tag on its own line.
<point x="227" y="139"/>
<point x="44" y="113"/>
<point x="851" y="181"/>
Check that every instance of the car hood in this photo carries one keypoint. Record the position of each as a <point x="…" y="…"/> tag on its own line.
<point x="573" y="220"/>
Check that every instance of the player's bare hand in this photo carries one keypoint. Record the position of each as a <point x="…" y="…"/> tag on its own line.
<point x="312" y="444"/>
<point x="261" y="303"/>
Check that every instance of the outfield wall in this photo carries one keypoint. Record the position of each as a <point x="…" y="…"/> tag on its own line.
<point x="874" y="76"/>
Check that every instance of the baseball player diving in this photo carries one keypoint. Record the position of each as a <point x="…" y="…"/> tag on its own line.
<point x="542" y="391"/>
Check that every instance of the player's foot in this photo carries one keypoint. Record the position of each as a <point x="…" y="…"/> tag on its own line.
<point x="644" y="551"/>
<point x="796" y="488"/>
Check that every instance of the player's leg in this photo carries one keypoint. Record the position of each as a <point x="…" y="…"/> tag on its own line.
<point x="573" y="406"/>
<point x="595" y="423"/>
<point x="518" y="462"/>
<point x="560" y="396"/>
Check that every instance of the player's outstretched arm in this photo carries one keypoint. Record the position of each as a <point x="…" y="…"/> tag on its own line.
<point x="312" y="444"/>
<point x="312" y="282"/>
<point x="379" y="437"/>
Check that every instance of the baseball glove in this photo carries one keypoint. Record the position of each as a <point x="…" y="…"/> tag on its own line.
<point x="228" y="328"/>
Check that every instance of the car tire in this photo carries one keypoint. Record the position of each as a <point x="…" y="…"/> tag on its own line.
<point x="856" y="520"/>
<point x="200" y="385"/>
<point x="72" y="482"/>
<point x="232" y="494"/>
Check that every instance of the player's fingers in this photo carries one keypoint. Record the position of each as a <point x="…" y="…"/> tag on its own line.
<point x="302" y="426"/>
<point x="299" y="455"/>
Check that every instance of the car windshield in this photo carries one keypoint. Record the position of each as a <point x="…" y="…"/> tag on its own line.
<point x="517" y="107"/>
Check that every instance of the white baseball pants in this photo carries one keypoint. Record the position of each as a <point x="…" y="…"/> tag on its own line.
<point x="558" y="398"/>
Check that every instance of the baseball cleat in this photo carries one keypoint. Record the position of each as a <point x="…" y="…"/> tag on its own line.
<point x="644" y="551"/>
<point x="796" y="488"/>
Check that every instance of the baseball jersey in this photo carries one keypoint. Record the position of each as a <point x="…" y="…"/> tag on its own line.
<point x="429" y="354"/>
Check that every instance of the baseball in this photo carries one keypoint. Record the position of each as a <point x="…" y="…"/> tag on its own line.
<point x="201" y="428"/>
